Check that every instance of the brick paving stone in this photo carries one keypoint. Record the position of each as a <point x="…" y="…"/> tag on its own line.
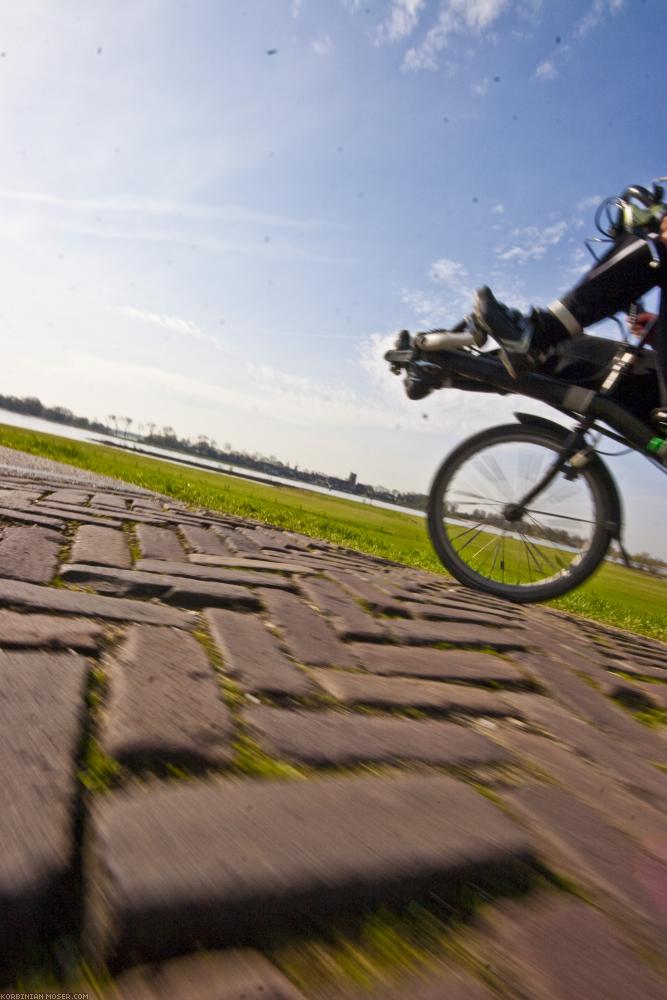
<point x="172" y="589"/>
<point x="83" y="515"/>
<point x="461" y="613"/>
<point x="638" y="669"/>
<point x="338" y="738"/>
<point x="253" y="655"/>
<point x="165" y="702"/>
<point x="422" y="633"/>
<point x="147" y="504"/>
<point x="439" y="603"/>
<point x="349" y="620"/>
<point x="592" y="743"/>
<point x="306" y="633"/>
<point x="41" y="706"/>
<point x="398" y="692"/>
<point x="204" y="540"/>
<point x="224" y="975"/>
<point x="367" y="591"/>
<point x="221" y="574"/>
<point x="29" y="553"/>
<point x="576" y="838"/>
<point x="641" y="663"/>
<point x="594" y="785"/>
<point x="20" y="498"/>
<point x="254" y="564"/>
<point x="36" y="598"/>
<point x="553" y="669"/>
<point x="244" y="858"/>
<point x="236" y="540"/>
<point x="15" y="515"/>
<point x="443" y="984"/>
<point x="49" y="631"/>
<point x="438" y="664"/>
<point x="69" y="496"/>
<point x="116" y="500"/>
<point x="558" y="948"/>
<point x="103" y="516"/>
<point x="159" y="543"/>
<point x="103" y="546"/>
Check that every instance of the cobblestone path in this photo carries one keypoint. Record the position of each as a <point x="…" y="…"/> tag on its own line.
<point x="218" y="739"/>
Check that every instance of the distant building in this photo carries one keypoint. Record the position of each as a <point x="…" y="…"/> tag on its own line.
<point x="352" y="479"/>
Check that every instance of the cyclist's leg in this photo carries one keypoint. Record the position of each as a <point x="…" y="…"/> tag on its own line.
<point x="621" y="277"/>
<point x="661" y="347"/>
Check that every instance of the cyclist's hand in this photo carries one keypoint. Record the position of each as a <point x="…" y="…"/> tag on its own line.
<point x="639" y="322"/>
<point x="663" y="230"/>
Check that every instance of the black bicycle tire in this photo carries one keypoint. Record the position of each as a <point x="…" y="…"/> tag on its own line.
<point x="597" y="478"/>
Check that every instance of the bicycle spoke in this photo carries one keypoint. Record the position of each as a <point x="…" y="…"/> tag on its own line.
<point x="471" y="539"/>
<point x="535" y="554"/>
<point x="553" y="551"/>
<point x="564" y="517"/>
<point x="467" y="531"/>
<point x="485" y="546"/>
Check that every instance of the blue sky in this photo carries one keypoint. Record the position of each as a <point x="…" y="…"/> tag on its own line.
<point x="202" y="234"/>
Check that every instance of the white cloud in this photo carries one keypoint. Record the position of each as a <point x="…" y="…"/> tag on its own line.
<point x="134" y="206"/>
<point x="595" y="16"/>
<point x="450" y="302"/>
<point x="449" y="272"/>
<point x="533" y="242"/>
<point x="467" y="17"/>
<point x="481" y="89"/>
<point x="401" y="21"/>
<point x="579" y="263"/>
<point x="530" y="10"/>
<point x="431" y="310"/>
<point x="591" y="20"/>
<point x="546" y="71"/>
<point x="322" y="46"/>
<point x="498" y="209"/>
<point x="585" y="204"/>
<point x="174" y="324"/>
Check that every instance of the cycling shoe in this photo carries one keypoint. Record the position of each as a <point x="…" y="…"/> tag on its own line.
<point x="421" y="378"/>
<point x="509" y="328"/>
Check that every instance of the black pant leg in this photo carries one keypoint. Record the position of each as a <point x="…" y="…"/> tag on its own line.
<point x="621" y="277"/>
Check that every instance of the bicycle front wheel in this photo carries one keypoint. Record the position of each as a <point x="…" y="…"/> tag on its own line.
<point x="561" y="536"/>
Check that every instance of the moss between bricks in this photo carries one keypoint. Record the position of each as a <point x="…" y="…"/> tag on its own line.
<point x="99" y="772"/>
<point x="637" y="705"/>
<point x="130" y="532"/>
<point x="379" y="946"/>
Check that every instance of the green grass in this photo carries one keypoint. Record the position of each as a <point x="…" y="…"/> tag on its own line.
<point x="614" y="595"/>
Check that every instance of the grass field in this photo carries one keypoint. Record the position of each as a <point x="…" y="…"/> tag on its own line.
<point x="615" y="595"/>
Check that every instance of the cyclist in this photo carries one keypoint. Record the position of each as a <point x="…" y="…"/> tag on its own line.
<point x="619" y="279"/>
